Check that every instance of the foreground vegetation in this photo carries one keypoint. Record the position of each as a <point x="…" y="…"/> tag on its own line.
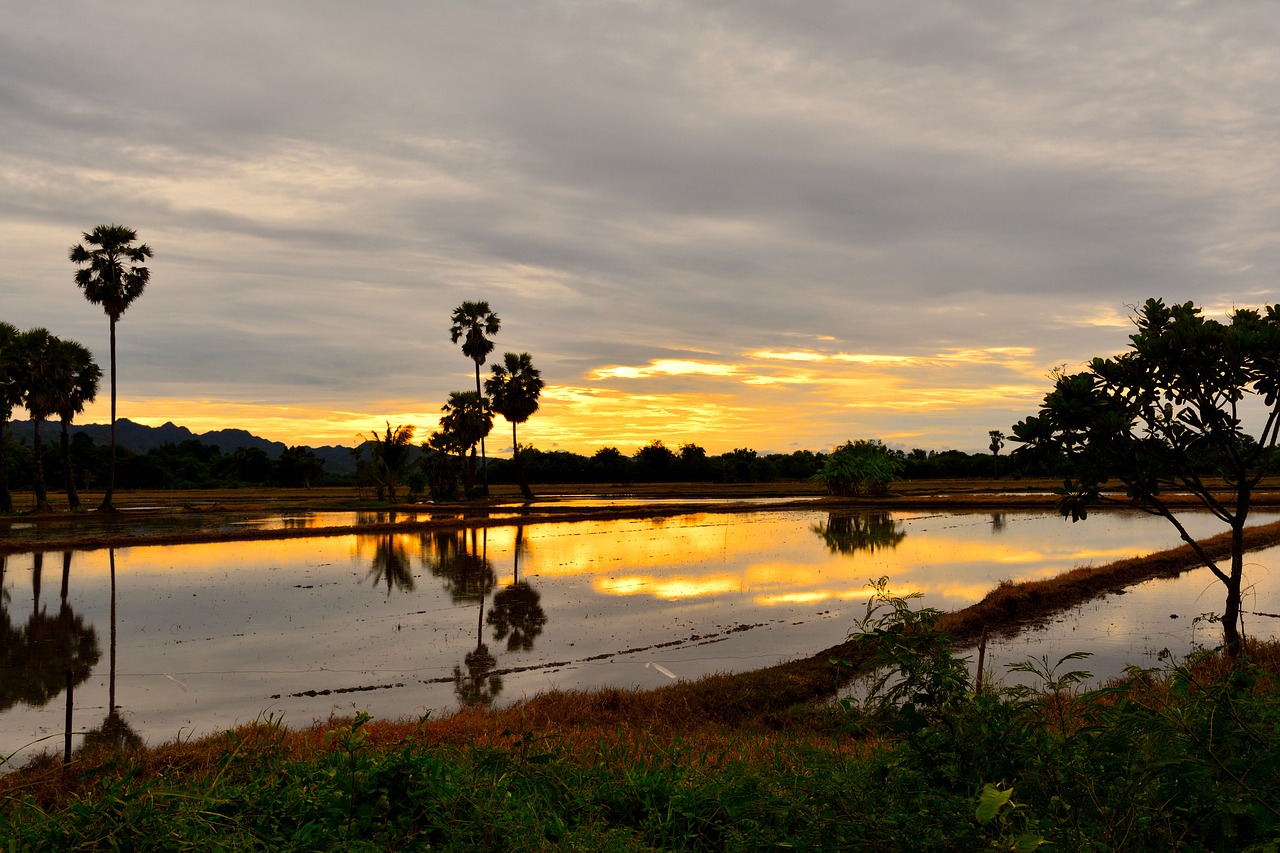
<point x="1183" y="759"/>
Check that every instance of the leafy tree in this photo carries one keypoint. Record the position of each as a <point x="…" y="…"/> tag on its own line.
<point x="739" y="465"/>
<point x="1167" y="415"/>
<point x="694" y="464"/>
<point x="299" y="466"/>
<point x="77" y="376"/>
<point x="472" y="322"/>
<point x="860" y="467"/>
<point x="248" y="465"/>
<point x="391" y="453"/>
<point x="9" y="397"/>
<point x="655" y="462"/>
<point x="110" y="276"/>
<point x="513" y="391"/>
<point x="610" y="465"/>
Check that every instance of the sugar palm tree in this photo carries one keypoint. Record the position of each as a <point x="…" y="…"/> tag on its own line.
<point x="36" y="376"/>
<point x="513" y="391"/>
<point x="77" y="376"/>
<point x="9" y="397"/>
<point x="471" y="323"/>
<point x="467" y="420"/>
<point x="110" y="276"/>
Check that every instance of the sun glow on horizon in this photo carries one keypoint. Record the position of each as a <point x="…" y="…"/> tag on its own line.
<point x="770" y="401"/>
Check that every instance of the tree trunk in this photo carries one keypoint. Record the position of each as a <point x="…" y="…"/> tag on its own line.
<point x="484" y="460"/>
<point x="73" y="497"/>
<point x="111" y="466"/>
<point x="42" y="498"/>
<point x="6" y="499"/>
<point x="515" y="455"/>
<point x="1231" y="612"/>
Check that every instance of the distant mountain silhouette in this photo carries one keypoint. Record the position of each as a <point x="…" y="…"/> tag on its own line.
<point x="140" y="439"/>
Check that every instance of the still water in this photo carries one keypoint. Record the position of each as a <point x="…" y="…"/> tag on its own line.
<point x="399" y="624"/>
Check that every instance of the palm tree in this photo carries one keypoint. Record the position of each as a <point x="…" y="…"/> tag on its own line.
<point x="472" y="321"/>
<point x="37" y="380"/>
<point x="513" y="391"/>
<point x="391" y="455"/>
<point x="467" y="420"/>
<point x="9" y="397"/>
<point x="77" y="377"/>
<point x="113" y="280"/>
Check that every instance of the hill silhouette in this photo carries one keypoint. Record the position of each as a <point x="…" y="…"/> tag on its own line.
<point x="141" y="438"/>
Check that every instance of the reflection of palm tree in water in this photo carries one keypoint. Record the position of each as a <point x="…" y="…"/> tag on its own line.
<point x="517" y="615"/>
<point x="464" y="567"/>
<point x="36" y="659"/>
<point x="114" y="733"/>
<point x="480" y="685"/>
<point x="390" y="562"/>
<point x="470" y="575"/>
<point x="851" y="532"/>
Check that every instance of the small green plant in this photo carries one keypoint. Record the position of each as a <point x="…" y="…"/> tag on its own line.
<point x="996" y="806"/>
<point x="915" y="676"/>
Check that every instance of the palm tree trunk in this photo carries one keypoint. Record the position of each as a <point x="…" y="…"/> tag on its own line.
<point x="42" y="497"/>
<point x="111" y="467"/>
<point x="73" y="498"/>
<point x="515" y="455"/>
<point x="484" y="460"/>
<point x="6" y="499"/>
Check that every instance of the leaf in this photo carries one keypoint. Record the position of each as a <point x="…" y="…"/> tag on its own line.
<point x="990" y="801"/>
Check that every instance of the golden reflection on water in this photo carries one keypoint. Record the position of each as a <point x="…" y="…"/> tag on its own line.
<point x="777" y="558"/>
<point x="669" y="589"/>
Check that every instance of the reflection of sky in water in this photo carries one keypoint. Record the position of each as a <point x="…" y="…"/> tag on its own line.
<point x="208" y="634"/>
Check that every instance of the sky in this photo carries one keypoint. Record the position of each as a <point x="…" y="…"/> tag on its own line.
<point x="774" y="225"/>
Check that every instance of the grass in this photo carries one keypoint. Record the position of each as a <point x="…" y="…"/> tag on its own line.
<point x="1186" y="759"/>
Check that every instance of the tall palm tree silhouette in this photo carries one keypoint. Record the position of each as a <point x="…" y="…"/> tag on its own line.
<point x="112" y="279"/>
<point x="472" y="322"/>
<point x="513" y="390"/>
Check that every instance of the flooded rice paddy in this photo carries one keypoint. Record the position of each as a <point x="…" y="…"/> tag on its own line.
<point x="192" y="639"/>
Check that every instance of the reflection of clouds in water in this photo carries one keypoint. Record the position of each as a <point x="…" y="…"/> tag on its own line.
<point x="668" y="588"/>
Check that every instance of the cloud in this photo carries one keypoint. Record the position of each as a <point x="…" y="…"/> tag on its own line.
<point x="753" y="206"/>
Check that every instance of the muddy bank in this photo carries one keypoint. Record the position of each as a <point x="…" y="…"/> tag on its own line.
<point x="177" y="519"/>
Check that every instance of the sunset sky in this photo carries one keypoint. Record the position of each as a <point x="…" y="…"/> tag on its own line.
<point x="775" y="225"/>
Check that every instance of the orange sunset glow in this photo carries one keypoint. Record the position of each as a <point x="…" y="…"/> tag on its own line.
<point x="748" y="402"/>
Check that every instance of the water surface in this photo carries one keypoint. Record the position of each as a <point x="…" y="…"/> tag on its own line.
<point x="399" y="624"/>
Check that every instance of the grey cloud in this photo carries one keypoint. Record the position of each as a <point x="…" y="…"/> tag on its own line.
<point x="679" y="176"/>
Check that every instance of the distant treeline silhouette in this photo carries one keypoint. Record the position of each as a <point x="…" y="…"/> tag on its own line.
<point x="192" y="464"/>
<point x="188" y="464"/>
